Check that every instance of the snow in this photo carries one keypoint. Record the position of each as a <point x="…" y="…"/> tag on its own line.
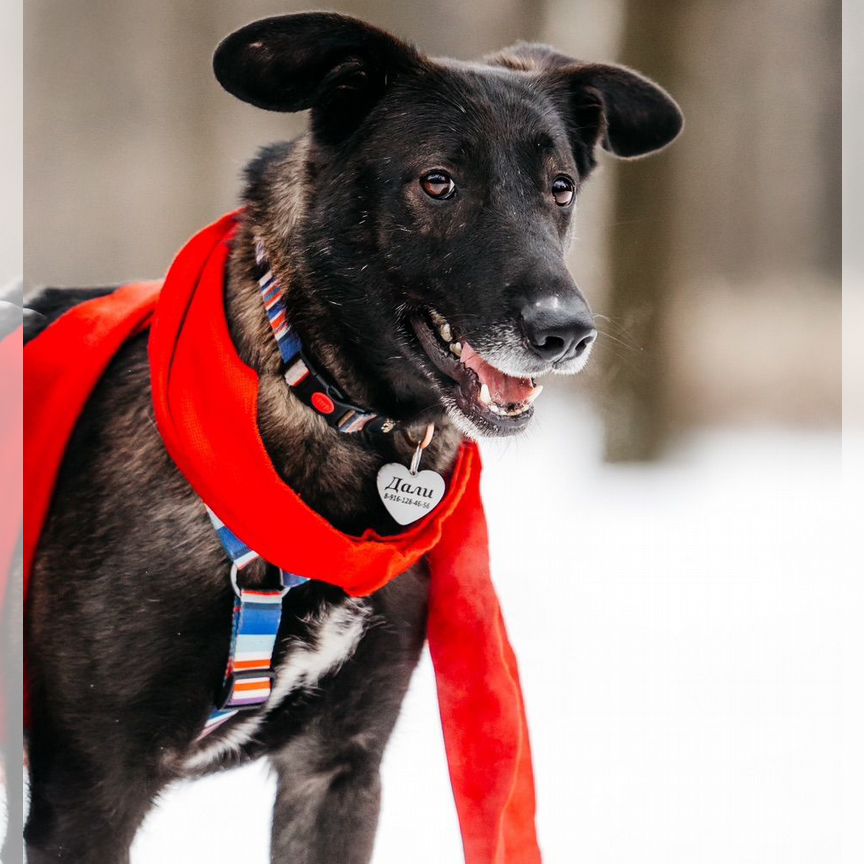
<point x="677" y="632"/>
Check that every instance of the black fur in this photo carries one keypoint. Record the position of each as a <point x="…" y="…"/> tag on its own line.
<point x="127" y="629"/>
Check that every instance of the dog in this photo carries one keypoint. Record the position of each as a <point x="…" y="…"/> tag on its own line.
<point x="419" y="228"/>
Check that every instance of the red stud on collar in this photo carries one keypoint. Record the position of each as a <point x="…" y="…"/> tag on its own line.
<point x="322" y="403"/>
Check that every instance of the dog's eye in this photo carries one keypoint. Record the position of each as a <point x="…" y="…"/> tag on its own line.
<point x="563" y="189"/>
<point x="438" y="185"/>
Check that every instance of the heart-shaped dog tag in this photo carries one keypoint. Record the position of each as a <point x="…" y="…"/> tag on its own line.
<point x="409" y="497"/>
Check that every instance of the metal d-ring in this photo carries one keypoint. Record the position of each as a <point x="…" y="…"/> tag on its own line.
<point x="235" y="570"/>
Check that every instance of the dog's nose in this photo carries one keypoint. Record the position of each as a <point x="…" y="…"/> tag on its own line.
<point x="558" y="329"/>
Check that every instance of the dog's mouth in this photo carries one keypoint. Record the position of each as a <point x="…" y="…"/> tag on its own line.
<point x="493" y="401"/>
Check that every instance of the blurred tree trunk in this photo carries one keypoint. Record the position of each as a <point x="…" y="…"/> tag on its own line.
<point x="642" y="237"/>
<point x="830" y="130"/>
<point x="722" y="251"/>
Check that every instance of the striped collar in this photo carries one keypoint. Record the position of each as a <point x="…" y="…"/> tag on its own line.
<point x="309" y="385"/>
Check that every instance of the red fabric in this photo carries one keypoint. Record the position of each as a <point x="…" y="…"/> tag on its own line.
<point x="479" y="695"/>
<point x="62" y="367"/>
<point x="219" y="427"/>
<point x="205" y="402"/>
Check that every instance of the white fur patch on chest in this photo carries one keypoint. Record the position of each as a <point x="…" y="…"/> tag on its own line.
<point x="334" y="635"/>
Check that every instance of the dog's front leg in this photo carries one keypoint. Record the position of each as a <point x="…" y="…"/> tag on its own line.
<point x="326" y="806"/>
<point x="328" y="785"/>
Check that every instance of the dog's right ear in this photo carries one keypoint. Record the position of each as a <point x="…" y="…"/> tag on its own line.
<point x="336" y="65"/>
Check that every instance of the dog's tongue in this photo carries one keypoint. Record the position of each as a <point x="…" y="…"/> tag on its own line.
<point x="505" y="389"/>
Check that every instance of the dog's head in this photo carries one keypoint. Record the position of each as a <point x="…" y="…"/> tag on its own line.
<point x="438" y="198"/>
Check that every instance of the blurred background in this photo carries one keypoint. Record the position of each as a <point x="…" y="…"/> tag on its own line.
<point x="715" y="265"/>
<point x="684" y="679"/>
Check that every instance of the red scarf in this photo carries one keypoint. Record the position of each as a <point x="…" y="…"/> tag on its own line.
<point x="206" y="403"/>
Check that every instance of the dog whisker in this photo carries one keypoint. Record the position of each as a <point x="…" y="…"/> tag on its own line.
<point x="623" y="343"/>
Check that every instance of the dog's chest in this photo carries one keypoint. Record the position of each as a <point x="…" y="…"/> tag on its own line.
<point x="331" y="638"/>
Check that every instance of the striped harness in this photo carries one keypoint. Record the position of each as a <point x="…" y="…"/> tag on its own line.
<point x="257" y="615"/>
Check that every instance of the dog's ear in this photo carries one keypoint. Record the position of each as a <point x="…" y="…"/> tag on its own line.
<point x="624" y="112"/>
<point x="335" y="65"/>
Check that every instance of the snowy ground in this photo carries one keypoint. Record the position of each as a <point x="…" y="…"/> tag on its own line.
<point x="676" y="629"/>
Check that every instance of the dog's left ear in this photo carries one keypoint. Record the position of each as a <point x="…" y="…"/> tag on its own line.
<point x="624" y="112"/>
<point x="334" y="64"/>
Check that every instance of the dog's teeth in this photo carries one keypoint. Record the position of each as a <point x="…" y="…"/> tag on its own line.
<point x="485" y="395"/>
<point x="534" y="393"/>
<point x="446" y="332"/>
<point x="438" y="319"/>
<point x="456" y="348"/>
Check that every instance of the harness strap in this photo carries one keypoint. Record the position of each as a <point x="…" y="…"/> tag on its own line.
<point x="257" y="615"/>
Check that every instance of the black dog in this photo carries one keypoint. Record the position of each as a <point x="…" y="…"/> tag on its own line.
<point x="424" y="216"/>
